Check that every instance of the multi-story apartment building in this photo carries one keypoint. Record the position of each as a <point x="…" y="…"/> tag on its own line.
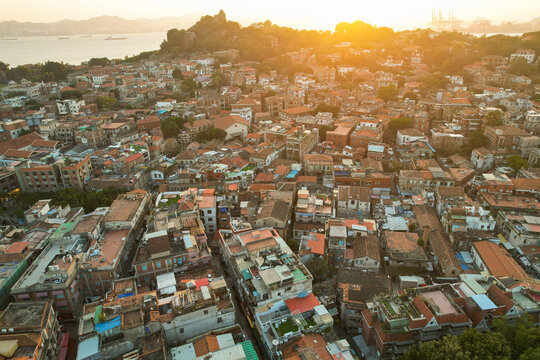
<point x="336" y="236"/>
<point x="527" y="54"/>
<point x="12" y="129"/>
<point x="318" y="164"/>
<point x="30" y="90"/>
<point x="55" y="274"/>
<point x="14" y="259"/>
<point x="520" y="230"/>
<point x="61" y="174"/>
<point x="362" y="136"/>
<point x="264" y="267"/>
<point x="340" y="136"/>
<point x="294" y="113"/>
<point x="469" y="119"/>
<point x="178" y="244"/>
<point x="421" y="122"/>
<point x="393" y="323"/>
<point x="92" y="136"/>
<point x="300" y="143"/>
<point x="324" y="74"/>
<point x="109" y="257"/>
<point x="482" y="159"/>
<point x="504" y="137"/>
<point x="31" y="330"/>
<point x="191" y="311"/>
<point x="414" y="182"/>
<point x="313" y="208"/>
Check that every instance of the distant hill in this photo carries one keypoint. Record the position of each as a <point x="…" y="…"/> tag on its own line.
<point x="98" y="25"/>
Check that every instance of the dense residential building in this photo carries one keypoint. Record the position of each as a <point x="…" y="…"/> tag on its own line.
<point x="300" y="143"/>
<point x="235" y="210"/>
<point x="31" y="330"/>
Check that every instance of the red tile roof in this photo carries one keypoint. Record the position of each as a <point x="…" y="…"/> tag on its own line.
<point x="317" y="244"/>
<point x="133" y="157"/>
<point x="303" y="304"/>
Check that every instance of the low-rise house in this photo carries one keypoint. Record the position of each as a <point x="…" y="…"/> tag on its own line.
<point x="404" y="250"/>
<point x="496" y="261"/>
<point x="365" y="254"/>
<point x="354" y="201"/>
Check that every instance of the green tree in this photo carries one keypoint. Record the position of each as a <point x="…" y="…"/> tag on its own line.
<point x="171" y="126"/>
<point x="410" y="95"/>
<point x="188" y="86"/>
<point x="387" y="93"/>
<point x="218" y="80"/>
<point x="324" y="107"/>
<point x="521" y="67"/>
<point x="520" y="333"/>
<point x="516" y="162"/>
<point x="395" y="125"/>
<point x="476" y="140"/>
<point x="58" y="70"/>
<point x="210" y="134"/>
<point x="322" y="132"/>
<point x="177" y="74"/>
<point x="494" y="118"/>
<point x="103" y="61"/>
<point x="3" y="67"/>
<point x="396" y="166"/>
<point x="172" y="148"/>
<point x="319" y="267"/>
<point x="489" y="345"/>
<point x="446" y="348"/>
<point x="433" y="82"/>
<point x="106" y="102"/>
<point x="71" y="94"/>
<point x="518" y="339"/>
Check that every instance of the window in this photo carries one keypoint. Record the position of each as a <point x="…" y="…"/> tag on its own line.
<point x="168" y="262"/>
<point x="147" y="279"/>
<point x="158" y="264"/>
<point x="144" y="268"/>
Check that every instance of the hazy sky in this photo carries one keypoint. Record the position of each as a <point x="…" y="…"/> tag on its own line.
<point x="297" y="13"/>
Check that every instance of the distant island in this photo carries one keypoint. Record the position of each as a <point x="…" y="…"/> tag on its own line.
<point x="97" y="25"/>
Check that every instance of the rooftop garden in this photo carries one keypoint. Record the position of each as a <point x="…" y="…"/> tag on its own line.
<point x="310" y="323"/>
<point x="286" y="327"/>
<point x="389" y="307"/>
<point x="169" y="201"/>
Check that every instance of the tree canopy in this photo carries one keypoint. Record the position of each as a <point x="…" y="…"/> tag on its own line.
<point x="387" y="93"/>
<point x="210" y="134"/>
<point x="103" y="61"/>
<point x="494" y="118"/>
<point x="324" y="107"/>
<point x="395" y="125"/>
<point x="516" y="162"/>
<point x="518" y="340"/>
<point x="171" y="126"/>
